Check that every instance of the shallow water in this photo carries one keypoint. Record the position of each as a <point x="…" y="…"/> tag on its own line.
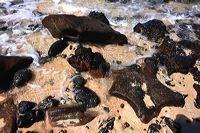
<point x="22" y="19"/>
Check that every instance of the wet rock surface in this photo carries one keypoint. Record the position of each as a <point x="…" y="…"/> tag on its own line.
<point x="25" y="106"/>
<point x="121" y="1"/>
<point x="106" y="125"/>
<point x="153" y="29"/>
<point x="85" y="60"/>
<point x="8" y="66"/>
<point x="79" y="81"/>
<point x="21" y="77"/>
<point x="99" y="16"/>
<point x="86" y="97"/>
<point x="82" y="29"/>
<point x="7" y="112"/>
<point x="128" y="86"/>
<point x="28" y="119"/>
<point x="174" y="126"/>
<point x="57" y="47"/>
<point x="68" y="115"/>
<point x="47" y="103"/>
<point x="27" y="115"/>
<point x="197" y="99"/>
<point x="83" y="95"/>
<point x="154" y="128"/>
<point x="174" y="58"/>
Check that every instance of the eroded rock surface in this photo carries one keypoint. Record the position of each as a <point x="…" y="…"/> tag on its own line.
<point x="69" y="115"/>
<point x="128" y="86"/>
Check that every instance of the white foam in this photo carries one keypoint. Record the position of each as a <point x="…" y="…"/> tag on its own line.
<point x="72" y="9"/>
<point x="4" y="38"/>
<point x="34" y="86"/>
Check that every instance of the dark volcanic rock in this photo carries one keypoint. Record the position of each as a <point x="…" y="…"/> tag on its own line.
<point x="174" y="126"/>
<point x="82" y="29"/>
<point x="174" y="58"/>
<point x="28" y="119"/>
<point x="153" y="29"/>
<point x="57" y="48"/>
<point x="21" y="77"/>
<point x="194" y="46"/>
<point x="86" y="97"/>
<point x="197" y="100"/>
<point x="8" y="66"/>
<point x="69" y="113"/>
<point x="25" y="106"/>
<point x="47" y="103"/>
<point x="185" y="1"/>
<point x="3" y="26"/>
<point x="196" y="74"/>
<point x="121" y="1"/>
<point x="79" y="81"/>
<point x="134" y="95"/>
<point x="7" y="112"/>
<point x="107" y="125"/>
<point x="85" y="60"/>
<point x="154" y="128"/>
<point x="99" y="16"/>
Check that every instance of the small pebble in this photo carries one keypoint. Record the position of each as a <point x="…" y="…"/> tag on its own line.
<point x="106" y="109"/>
<point x="125" y="125"/>
<point x="122" y="105"/>
<point x="87" y="127"/>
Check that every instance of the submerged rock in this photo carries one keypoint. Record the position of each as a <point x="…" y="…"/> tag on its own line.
<point x="69" y="115"/>
<point x="7" y="113"/>
<point x="9" y="65"/>
<point x="124" y="88"/>
<point x="99" y="16"/>
<point x="82" y="29"/>
<point x="21" y="77"/>
<point x="85" y="60"/>
<point x="57" y="48"/>
<point x="153" y="29"/>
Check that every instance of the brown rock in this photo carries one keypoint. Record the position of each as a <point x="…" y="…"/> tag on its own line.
<point x="7" y="113"/>
<point x="8" y="66"/>
<point x="82" y="29"/>
<point x="69" y="115"/>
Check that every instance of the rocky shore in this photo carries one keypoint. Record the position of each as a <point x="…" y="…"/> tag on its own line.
<point x="99" y="69"/>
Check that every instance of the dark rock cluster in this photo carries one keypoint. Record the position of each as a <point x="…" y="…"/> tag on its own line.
<point x="153" y="29"/>
<point x="13" y="71"/>
<point x="83" y="95"/>
<point x="85" y="60"/>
